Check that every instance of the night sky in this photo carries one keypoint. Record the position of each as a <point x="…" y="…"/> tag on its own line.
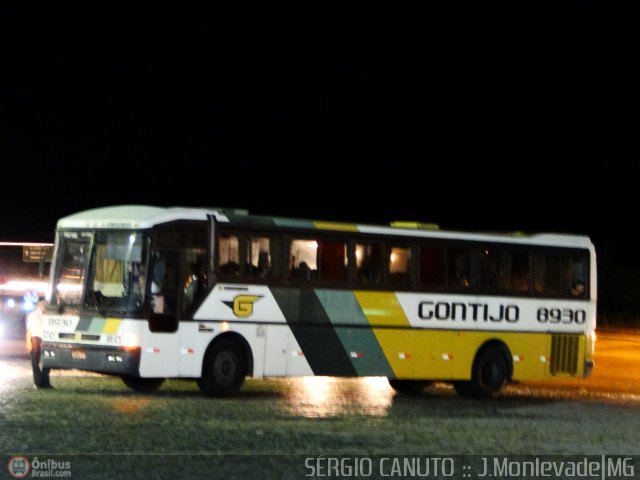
<point x="475" y="117"/>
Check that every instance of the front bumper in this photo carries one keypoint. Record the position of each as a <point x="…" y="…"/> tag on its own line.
<point x="93" y="358"/>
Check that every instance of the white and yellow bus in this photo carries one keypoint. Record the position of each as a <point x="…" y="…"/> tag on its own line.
<point x="149" y="293"/>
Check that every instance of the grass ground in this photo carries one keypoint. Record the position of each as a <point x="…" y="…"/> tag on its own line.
<point x="118" y="429"/>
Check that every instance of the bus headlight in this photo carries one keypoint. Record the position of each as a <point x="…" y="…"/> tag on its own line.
<point x="130" y="339"/>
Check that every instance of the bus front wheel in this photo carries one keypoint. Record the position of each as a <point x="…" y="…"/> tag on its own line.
<point x="224" y="369"/>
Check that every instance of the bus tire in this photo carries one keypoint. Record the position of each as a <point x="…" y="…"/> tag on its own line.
<point x="408" y="387"/>
<point x="224" y="369"/>
<point x="489" y="374"/>
<point x="142" y="384"/>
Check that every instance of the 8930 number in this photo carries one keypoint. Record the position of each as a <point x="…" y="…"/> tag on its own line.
<point x="561" y="315"/>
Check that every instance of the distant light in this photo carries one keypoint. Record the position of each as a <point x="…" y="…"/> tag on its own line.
<point x="132" y="238"/>
<point x="11" y="303"/>
<point x="27" y="306"/>
<point x="23" y="286"/>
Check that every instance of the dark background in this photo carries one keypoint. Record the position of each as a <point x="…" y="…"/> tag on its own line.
<point x="474" y="116"/>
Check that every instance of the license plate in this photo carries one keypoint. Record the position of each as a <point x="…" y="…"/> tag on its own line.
<point x="78" y="354"/>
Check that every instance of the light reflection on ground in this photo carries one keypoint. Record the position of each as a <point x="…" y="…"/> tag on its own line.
<point x="130" y="405"/>
<point x="10" y="371"/>
<point x="330" y="396"/>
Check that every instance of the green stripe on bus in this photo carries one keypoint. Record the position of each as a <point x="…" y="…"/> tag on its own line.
<point x="250" y="220"/>
<point x="292" y="223"/>
<point x="314" y="331"/>
<point x="83" y="324"/>
<point x="97" y="324"/>
<point x="354" y="332"/>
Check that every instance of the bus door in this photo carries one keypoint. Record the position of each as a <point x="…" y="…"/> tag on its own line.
<point x="161" y="341"/>
<point x="178" y="285"/>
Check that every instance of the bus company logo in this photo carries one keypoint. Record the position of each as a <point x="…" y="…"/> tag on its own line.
<point x="18" y="466"/>
<point x="242" y="305"/>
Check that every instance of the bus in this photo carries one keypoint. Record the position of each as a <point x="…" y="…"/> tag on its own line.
<point x="216" y="295"/>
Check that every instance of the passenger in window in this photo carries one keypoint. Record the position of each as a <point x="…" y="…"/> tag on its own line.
<point x="264" y="265"/>
<point x="304" y="271"/>
<point x="578" y="288"/>
<point x="230" y="268"/>
<point x="370" y="272"/>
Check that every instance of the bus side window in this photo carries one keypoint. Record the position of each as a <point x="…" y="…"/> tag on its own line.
<point x="400" y="266"/>
<point x="516" y="272"/>
<point x="488" y="267"/>
<point x="369" y="264"/>
<point x="304" y="259"/>
<point x="228" y="255"/>
<point x="263" y="257"/>
<point x="564" y="274"/>
<point x="552" y="274"/>
<point x="459" y="269"/>
<point x="333" y="260"/>
<point x="433" y="267"/>
<point x="579" y="276"/>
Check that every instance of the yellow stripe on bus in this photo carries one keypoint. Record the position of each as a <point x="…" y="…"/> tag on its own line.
<point x="382" y="309"/>
<point x="111" y="325"/>
<point x="343" y="227"/>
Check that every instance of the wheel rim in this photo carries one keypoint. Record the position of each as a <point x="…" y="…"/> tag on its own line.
<point x="492" y="375"/>
<point x="225" y="368"/>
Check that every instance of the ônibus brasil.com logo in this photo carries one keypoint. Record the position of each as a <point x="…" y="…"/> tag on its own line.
<point x="19" y="466"/>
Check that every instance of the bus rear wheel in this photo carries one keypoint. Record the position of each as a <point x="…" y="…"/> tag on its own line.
<point x="223" y="370"/>
<point x="142" y="384"/>
<point x="489" y="374"/>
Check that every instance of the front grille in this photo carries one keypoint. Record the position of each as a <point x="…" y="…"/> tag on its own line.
<point x="564" y="354"/>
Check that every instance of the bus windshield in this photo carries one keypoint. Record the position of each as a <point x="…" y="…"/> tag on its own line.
<point x="102" y="270"/>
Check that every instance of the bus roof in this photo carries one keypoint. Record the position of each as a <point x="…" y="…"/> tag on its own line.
<point x="144" y="216"/>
